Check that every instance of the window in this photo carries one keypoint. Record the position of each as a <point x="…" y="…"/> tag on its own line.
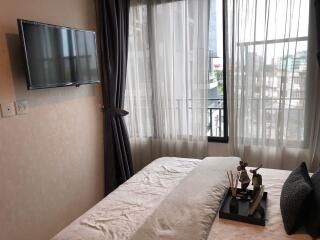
<point x="217" y="129"/>
<point x="270" y="68"/>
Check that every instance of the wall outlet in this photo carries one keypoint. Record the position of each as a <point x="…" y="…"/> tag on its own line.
<point x="22" y="107"/>
<point x="7" y="109"/>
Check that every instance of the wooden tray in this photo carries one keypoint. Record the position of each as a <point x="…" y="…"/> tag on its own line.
<point x="242" y="215"/>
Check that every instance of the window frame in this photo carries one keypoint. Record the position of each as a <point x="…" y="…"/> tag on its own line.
<point x="225" y="138"/>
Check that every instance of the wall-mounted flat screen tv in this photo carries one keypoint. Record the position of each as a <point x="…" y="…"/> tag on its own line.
<point x="58" y="56"/>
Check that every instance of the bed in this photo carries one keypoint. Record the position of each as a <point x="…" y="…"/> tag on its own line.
<point x="177" y="198"/>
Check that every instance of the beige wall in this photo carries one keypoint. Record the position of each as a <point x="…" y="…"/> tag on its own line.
<point x="51" y="160"/>
<point x="218" y="149"/>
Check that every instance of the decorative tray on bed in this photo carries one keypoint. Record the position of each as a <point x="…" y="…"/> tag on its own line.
<point x="258" y="218"/>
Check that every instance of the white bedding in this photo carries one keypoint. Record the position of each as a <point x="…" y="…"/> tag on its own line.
<point x="126" y="212"/>
<point x="190" y="208"/>
<point x="121" y="213"/>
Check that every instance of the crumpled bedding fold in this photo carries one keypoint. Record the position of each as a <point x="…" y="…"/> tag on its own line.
<point x="190" y="208"/>
<point x="122" y="212"/>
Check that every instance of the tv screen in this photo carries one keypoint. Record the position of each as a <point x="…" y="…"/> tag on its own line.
<point x="58" y="56"/>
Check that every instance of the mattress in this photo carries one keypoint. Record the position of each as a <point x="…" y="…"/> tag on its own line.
<point x="129" y="210"/>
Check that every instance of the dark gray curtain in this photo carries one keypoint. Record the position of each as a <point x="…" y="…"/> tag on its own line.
<point x="317" y="9"/>
<point x="113" y="23"/>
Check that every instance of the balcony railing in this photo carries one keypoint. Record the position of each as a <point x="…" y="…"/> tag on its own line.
<point x="215" y="117"/>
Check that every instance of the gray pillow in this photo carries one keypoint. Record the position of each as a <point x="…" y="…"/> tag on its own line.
<point x="295" y="192"/>
<point x="313" y="221"/>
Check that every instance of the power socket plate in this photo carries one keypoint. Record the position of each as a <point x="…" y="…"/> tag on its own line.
<point x="7" y="109"/>
<point x="22" y="107"/>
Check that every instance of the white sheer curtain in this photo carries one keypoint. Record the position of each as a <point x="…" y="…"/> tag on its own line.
<point x="272" y="86"/>
<point x="166" y="92"/>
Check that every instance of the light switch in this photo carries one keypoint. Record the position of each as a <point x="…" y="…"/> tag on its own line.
<point x="8" y="109"/>
<point x="22" y="107"/>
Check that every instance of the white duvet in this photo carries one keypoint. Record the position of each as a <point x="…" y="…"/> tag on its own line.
<point x="162" y="201"/>
<point x="190" y="208"/>
<point x="121" y="213"/>
<point x="157" y="203"/>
